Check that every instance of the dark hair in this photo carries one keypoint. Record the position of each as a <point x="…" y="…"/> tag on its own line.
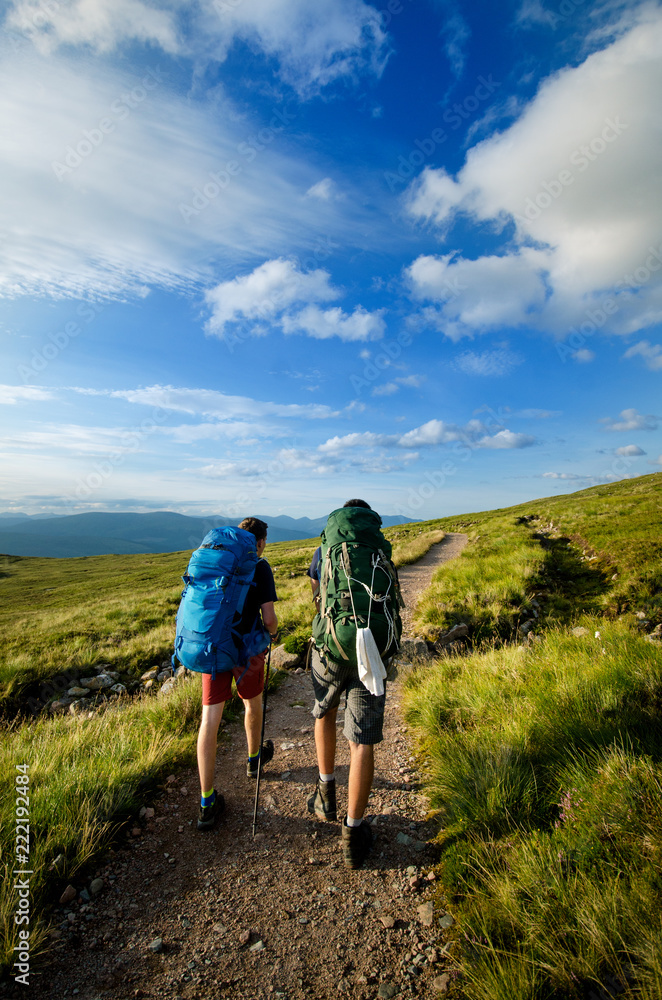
<point x="357" y="503"/>
<point x="255" y="526"/>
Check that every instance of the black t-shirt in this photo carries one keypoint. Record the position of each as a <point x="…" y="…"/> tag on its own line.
<point x="262" y="591"/>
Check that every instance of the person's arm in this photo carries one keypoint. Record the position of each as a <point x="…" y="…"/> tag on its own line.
<point x="269" y="618"/>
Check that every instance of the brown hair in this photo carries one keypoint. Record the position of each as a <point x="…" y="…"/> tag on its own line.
<point x="255" y="526"/>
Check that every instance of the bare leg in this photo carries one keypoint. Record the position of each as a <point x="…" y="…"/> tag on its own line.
<point x="361" y="771"/>
<point x="253" y="723"/>
<point x="211" y="718"/>
<point x="325" y="741"/>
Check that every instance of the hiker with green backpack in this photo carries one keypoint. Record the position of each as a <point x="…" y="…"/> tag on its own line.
<point x="357" y="627"/>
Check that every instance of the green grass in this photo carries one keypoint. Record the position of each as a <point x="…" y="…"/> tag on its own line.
<point x="543" y="762"/>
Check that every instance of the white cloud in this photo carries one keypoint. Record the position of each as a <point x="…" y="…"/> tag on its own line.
<point x="209" y="403"/>
<point x="632" y="421"/>
<point x="313" y="45"/>
<point x="273" y="293"/>
<point x="113" y="183"/>
<point x="325" y="190"/>
<point x="506" y="439"/>
<point x="388" y="389"/>
<point x="488" y="363"/>
<point x="583" y="356"/>
<point x="630" y="451"/>
<point x="474" y="434"/>
<point x="478" y="294"/>
<point x="267" y="291"/>
<point x="651" y="353"/>
<point x="12" y="394"/>
<point x="563" y="475"/>
<point x="325" y="323"/>
<point x="578" y="173"/>
<point x="103" y="24"/>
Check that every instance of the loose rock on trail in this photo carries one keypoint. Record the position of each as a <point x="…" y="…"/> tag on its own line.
<point x="219" y="914"/>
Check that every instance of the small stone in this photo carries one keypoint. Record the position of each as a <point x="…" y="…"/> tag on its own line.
<point x="258" y="946"/>
<point x="387" y="921"/>
<point x="219" y="929"/>
<point x="287" y="746"/>
<point x="404" y="839"/>
<point x="136" y="831"/>
<point x="426" y="913"/>
<point x="163" y="675"/>
<point x="156" y="945"/>
<point x="244" y="937"/>
<point x="446" y="921"/>
<point x="118" y="689"/>
<point x="387" y="991"/>
<point x="149" y="812"/>
<point x="96" y="885"/>
<point x="148" y="685"/>
<point x="168" y="687"/>
<point x="97" y="683"/>
<point x="150" y="674"/>
<point x="78" y="692"/>
<point x="440" y="983"/>
<point x="68" y="895"/>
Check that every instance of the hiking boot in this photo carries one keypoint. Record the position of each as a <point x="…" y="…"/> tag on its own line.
<point x="266" y="754"/>
<point x="356" y="842"/>
<point x="209" y="814"/>
<point x="323" y="800"/>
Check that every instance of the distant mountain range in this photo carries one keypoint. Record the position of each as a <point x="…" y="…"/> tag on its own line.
<point x="99" y="534"/>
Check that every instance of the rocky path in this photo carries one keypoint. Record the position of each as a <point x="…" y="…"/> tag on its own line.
<point x="187" y="915"/>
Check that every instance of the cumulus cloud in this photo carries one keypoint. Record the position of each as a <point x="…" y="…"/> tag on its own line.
<point x="583" y="356"/>
<point x="506" y="440"/>
<point x="577" y="177"/>
<point x="482" y="294"/>
<point x="273" y="293"/>
<point x="631" y="421"/>
<point x="630" y="451"/>
<point x="651" y="353"/>
<point x="431" y="434"/>
<point x="406" y="381"/>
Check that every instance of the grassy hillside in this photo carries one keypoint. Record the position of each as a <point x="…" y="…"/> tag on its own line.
<point x="542" y="748"/>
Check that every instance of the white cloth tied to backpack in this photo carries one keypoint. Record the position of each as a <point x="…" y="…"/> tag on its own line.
<point x="372" y="671"/>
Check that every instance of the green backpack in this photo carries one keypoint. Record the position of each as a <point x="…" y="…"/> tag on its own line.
<point x="358" y="586"/>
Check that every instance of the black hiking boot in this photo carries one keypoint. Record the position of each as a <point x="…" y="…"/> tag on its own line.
<point x="209" y="814"/>
<point x="266" y="754"/>
<point x="356" y="843"/>
<point x="323" y="800"/>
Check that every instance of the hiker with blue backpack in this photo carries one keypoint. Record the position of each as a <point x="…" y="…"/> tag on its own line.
<point x="225" y="624"/>
<point x="357" y="627"/>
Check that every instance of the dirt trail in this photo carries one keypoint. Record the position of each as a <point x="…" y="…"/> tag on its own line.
<point x="279" y="916"/>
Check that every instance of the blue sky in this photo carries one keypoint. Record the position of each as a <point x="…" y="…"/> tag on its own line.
<point x="263" y="255"/>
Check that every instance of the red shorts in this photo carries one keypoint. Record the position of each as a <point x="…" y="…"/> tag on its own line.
<point x="220" y="689"/>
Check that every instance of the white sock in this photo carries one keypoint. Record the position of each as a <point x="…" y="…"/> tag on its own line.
<point x="353" y="822"/>
<point x="328" y="777"/>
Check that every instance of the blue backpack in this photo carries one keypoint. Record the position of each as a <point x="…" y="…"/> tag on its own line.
<point x="217" y="579"/>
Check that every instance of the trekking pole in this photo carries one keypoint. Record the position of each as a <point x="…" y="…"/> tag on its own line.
<point x="264" y="717"/>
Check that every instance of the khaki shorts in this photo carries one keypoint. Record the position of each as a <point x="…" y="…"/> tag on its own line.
<point x="364" y="712"/>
